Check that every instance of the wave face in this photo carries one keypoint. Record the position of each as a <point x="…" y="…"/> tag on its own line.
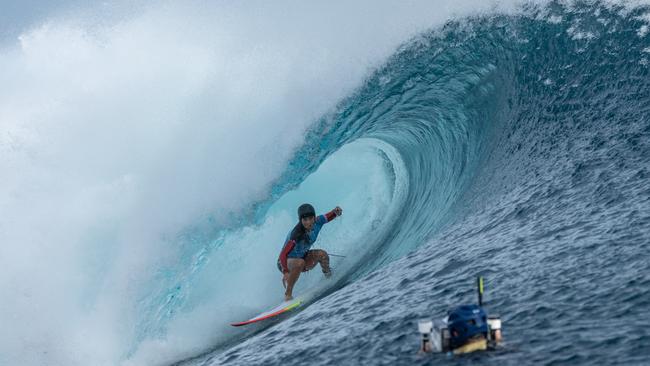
<point x="513" y="146"/>
<point x="526" y="145"/>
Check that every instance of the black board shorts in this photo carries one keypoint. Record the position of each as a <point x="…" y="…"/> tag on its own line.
<point x="280" y="264"/>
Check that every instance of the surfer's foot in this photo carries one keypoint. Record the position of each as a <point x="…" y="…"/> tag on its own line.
<point x="327" y="274"/>
<point x="288" y="297"/>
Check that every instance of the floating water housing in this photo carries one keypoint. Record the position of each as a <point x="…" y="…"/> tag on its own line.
<point x="436" y="337"/>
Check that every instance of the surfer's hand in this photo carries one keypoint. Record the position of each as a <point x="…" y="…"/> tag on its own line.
<point x="338" y="211"/>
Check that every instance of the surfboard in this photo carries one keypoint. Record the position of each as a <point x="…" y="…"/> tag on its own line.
<point x="280" y="309"/>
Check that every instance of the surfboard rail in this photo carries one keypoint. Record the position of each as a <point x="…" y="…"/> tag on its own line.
<point x="280" y="309"/>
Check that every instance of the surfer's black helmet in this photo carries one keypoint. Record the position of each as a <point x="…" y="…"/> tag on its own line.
<point x="306" y="210"/>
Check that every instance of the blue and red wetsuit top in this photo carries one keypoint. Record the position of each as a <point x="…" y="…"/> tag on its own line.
<point x="299" y="249"/>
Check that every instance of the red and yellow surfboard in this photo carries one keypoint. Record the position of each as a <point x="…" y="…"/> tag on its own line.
<point x="280" y="309"/>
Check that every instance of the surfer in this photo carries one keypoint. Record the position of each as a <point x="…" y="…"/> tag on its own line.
<point x="296" y="256"/>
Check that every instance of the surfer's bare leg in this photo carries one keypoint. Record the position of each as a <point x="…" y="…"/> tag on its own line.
<point x="295" y="266"/>
<point x="318" y="256"/>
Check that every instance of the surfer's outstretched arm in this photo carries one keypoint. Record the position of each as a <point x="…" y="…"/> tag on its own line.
<point x="336" y="212"/>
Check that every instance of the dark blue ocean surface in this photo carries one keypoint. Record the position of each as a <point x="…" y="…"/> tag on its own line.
<point x="527" y="145"/>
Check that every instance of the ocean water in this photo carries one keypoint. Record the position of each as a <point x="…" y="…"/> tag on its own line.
<point x="512" y="143"/>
